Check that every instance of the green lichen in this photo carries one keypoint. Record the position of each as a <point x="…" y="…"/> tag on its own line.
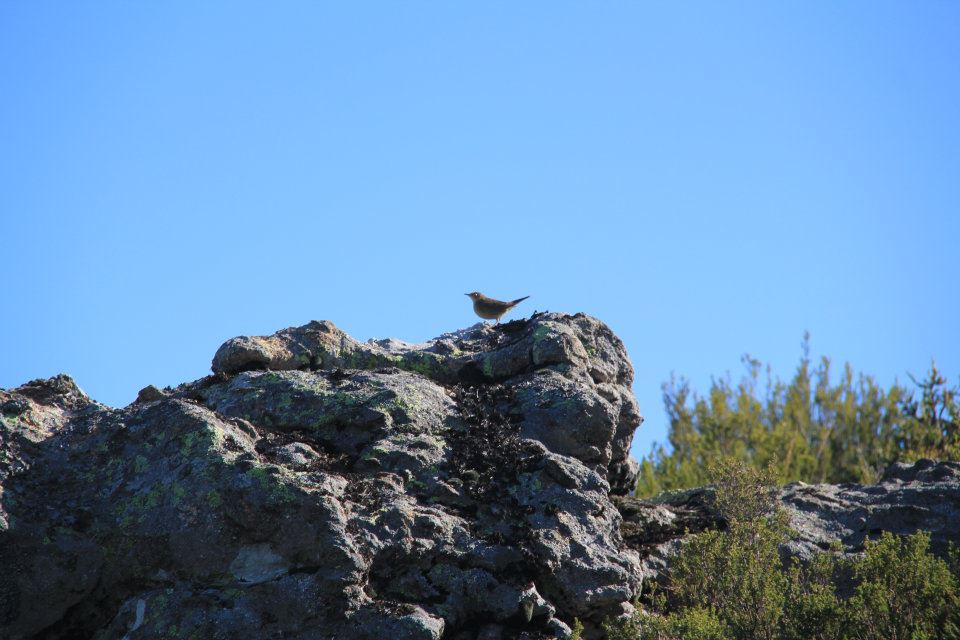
<point x="260" y="474"/>
<point x="488" y="367"/>
<point x="365" y="360"/>
<point x="284" y="402"/>
<point x="540" y="334"/>
<point x="373" y="455"/>
<point x="139" y="464"/>
<point x="154" y="497"/>
<point x="113" y="467"/>
<point x="336" y="404"/>
<point x="425" y="363"/>
<point x="416" y="485"/>
<point x="277" y="490"/>
<point x="196" y="441"/>
<point x="528" y="482"/>
<point x="178" y="493"/>
<point x="134" y="509"/>
<point x="187" y="443"/>
<point x="214" y="499"/>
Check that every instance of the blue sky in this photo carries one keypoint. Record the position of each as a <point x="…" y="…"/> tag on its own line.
<point x="710" y="179"/>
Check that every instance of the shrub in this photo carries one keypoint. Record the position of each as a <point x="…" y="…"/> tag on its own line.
<point x="690" y="624"/>
<point x="903" y="592"/>
<point x="577" y="632"/>
<point x="735" y="573"/>
<point x="732" y="584"/>
<point x="812" y="610"/>
<point x="742" y="492"/>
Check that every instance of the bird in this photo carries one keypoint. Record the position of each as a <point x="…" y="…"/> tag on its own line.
<point x="490" y="309"/>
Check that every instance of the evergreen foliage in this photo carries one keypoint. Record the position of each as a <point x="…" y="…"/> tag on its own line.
<point x="577" y="632"/>
<point x="816" y="428"/>
<point x="904" y="593"/>
<point x="812" y="610"/>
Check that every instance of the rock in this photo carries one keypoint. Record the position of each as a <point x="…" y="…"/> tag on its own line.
<point x="30" y="415"/>
<point x="297" y="455"/>
<point x="559" y="629"/>
<point x="564" y="369"/>
<point x="490" y="632"/>
<point x="319" y="487"/>
<point x="57" y="392"/>
<point x="910" y="497"/>
<point x="655" y="528"/>
<point x="258" y="563"/>
<point x="150" y="393"/>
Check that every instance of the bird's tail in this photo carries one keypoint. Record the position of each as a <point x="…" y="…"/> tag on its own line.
<point x="519" y="300"/>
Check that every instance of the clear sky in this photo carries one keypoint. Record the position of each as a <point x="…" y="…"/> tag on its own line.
<point x="708" y="178"/>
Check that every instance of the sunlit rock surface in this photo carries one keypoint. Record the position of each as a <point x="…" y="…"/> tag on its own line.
<point x="318" y="487"/>
<point x="910" y="497"/>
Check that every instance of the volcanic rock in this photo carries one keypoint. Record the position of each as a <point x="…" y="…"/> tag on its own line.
<point x="924" y="495"/>
<point x="319" y="487"/>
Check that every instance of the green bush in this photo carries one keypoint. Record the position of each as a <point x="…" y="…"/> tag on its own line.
<point x="903" y="592"/>
<point x="732" y="584"/>
<point x="812" y="610"/>
<point x="734" y="573"/>
<point x="743" y="493"/>
<point x="690" y="624"/>
<point x="816" y="428"/>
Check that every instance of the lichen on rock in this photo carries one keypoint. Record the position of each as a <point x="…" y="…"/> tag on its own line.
<point x="318" y="487"/>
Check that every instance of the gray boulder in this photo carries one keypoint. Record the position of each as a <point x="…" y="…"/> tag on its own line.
<point x="565" y="370"/>
<point x="318" y="487"/>
<point x="924" y="496"/>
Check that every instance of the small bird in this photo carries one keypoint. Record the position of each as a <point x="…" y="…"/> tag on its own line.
<point x="490" y="309"/>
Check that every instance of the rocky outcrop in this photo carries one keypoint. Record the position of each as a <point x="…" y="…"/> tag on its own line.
<point x="319" y="487"/>
<point x="924" y="496"/>
<point x="561" y="370"/>
<point x="656" y="528"/>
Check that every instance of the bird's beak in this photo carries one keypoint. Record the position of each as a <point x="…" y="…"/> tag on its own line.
<point x="466" y="294"/>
